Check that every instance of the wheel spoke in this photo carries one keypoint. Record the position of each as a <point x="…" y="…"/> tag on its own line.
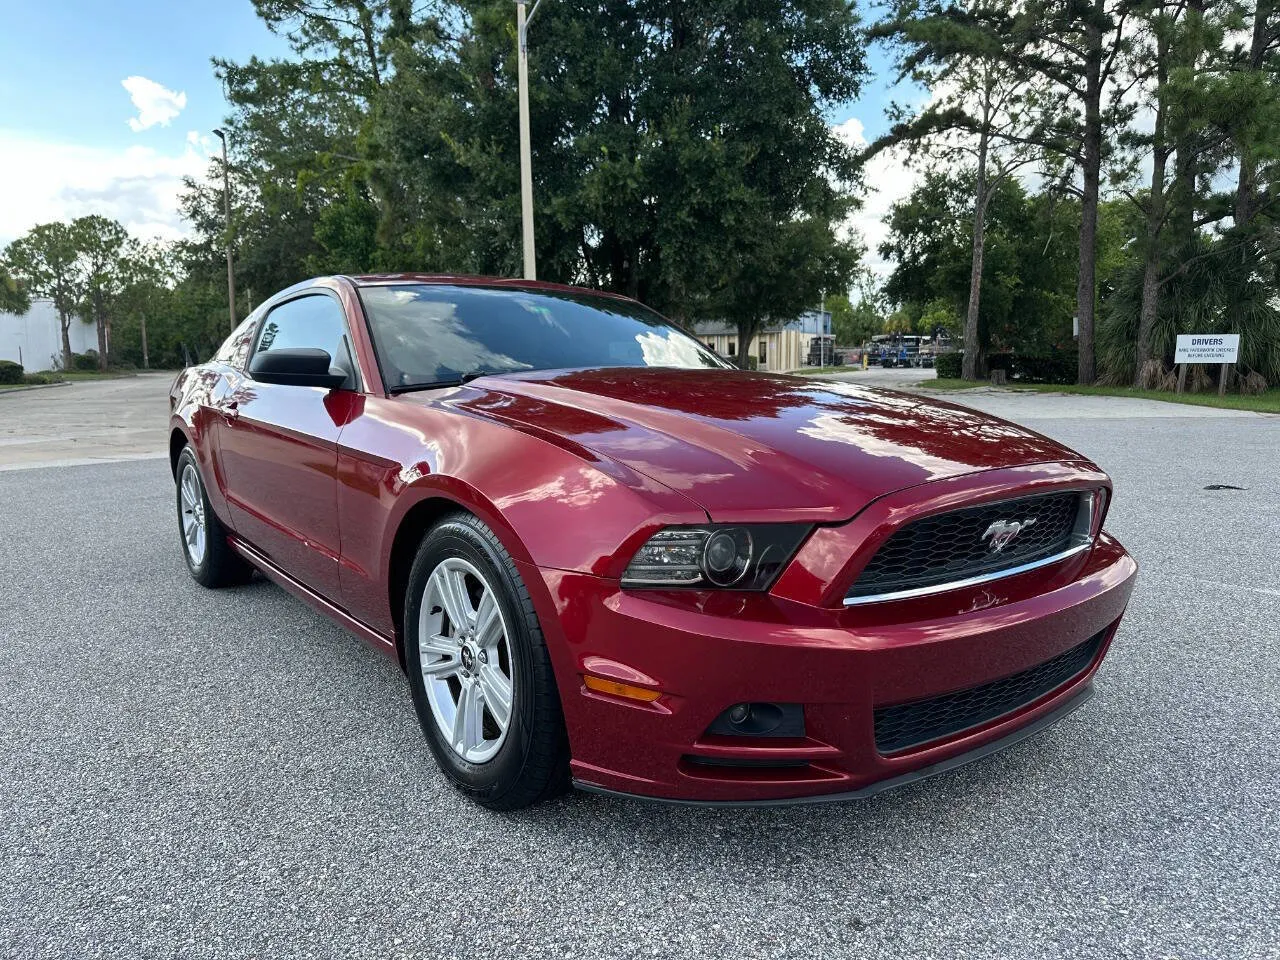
<point x="467" y="731"/>
<point x="440" y="669"/>
<point x="438" y="644"/>
<point x="496" y="689"/>
<point x="453" y="597"/>
<point x="488" y="620"/>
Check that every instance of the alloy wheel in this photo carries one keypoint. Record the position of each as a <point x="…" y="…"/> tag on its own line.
<point x="467" y="667"/>
<point x="194" y="533"/>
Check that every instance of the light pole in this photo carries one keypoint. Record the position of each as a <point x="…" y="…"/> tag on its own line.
<point x="226" y="209"/>
<point x="526" y="163"/>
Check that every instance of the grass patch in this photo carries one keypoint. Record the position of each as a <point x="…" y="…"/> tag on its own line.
<point x="1268" y="402"/>
<point x="814" y="371"/>
<point x="77" y="375"/>
<point x="949" y="383"/>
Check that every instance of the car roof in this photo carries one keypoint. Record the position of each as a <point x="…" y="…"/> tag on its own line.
<point x="467" y="280"/>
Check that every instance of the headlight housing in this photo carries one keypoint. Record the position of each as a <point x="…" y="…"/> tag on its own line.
<point x="717" y="555"/>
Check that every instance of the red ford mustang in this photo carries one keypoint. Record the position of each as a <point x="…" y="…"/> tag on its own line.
<point x="601" y="554"/>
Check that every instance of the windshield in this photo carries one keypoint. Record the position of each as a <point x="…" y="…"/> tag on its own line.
<point x="435" y="335"/>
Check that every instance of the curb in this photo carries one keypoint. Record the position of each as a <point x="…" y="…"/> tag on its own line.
<point x="34" y="386"/>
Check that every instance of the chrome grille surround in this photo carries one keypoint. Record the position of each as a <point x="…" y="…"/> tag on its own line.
<point x="956" y="548"/>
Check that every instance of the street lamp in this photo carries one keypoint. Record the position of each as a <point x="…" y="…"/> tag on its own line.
<point x="226" y="209"/>
<point x="526" y="163"/>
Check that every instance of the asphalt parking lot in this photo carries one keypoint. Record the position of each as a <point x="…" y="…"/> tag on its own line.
<point x="227" y="774"/>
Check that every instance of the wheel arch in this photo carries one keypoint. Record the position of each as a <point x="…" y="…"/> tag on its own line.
<point x="429" y="505"/>
<point x="177" y="440"/>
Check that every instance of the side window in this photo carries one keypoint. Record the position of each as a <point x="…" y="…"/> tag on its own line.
<point x="235" y="349"/>
<point x="312" y="321"/>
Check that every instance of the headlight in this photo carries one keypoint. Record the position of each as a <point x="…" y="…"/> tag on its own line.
<point x="715" y="555"/>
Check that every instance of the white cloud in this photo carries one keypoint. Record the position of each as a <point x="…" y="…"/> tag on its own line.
<point x="888" y="179"/>
<point x="137" y="185"/>
<point x="155" y="104"/>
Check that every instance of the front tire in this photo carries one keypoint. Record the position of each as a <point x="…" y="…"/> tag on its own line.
<point x="479" y="670"/>
<point x="210" y="558"/>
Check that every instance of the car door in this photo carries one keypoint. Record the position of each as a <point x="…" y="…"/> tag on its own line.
<point x="278" y="445"/>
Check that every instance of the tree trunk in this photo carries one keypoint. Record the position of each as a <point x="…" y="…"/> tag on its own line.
<point x="971" y="366"/>
<point x="1155" y="217"/>
<point x="746" y="330"/>
<point x="65" y="320"/>
<point x="1092" y="173"/>
<point x="1182" y="192"/>
<point x="101" y="323"/>
<point x="1246" y="184"/>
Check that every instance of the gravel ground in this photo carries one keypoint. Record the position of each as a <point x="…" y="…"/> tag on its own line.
<point x="227" y="774"/>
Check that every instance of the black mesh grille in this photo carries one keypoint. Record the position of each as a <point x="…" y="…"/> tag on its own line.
<point x="911" y="724"/>
<point x="956" y="545"/>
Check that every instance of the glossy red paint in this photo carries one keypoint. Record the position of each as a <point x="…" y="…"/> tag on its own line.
<point x="575" y="469"/>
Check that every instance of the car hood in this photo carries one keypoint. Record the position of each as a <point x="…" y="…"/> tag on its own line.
<point x="746" y="445"/>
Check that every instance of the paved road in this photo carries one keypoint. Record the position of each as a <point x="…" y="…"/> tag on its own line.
<point x="226" y="774"/>
<point x="86" y="422"/>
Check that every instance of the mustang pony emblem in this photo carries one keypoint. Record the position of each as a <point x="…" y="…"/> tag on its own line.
<point x="1003" y="532"/>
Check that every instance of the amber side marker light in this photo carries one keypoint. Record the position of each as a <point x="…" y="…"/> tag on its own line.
<point x="625" y="690"/>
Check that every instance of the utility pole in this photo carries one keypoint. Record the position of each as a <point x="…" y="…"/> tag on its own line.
<point x="526" y="162"/>
<point x="226" y="209"/>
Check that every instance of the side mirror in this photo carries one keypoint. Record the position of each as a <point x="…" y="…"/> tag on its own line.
<point x="298" y="367"/>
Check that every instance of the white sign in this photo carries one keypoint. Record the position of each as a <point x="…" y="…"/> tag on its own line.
<point x="1207" y="348"/>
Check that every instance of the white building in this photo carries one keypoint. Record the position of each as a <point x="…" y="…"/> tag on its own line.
<point x="34" y="338"/>
<point x="777" y="347"/>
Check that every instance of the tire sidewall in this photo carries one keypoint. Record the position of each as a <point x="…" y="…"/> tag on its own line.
<point x="495" y="776"/>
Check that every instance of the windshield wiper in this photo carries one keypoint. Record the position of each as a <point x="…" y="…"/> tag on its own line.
<point x="441" y="384"/>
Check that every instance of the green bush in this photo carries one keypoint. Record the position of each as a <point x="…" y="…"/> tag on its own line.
<point x="37" y="378"/>
<point x="1060" y="367"/>
<point x="85" y="361"/>
<point x="10" y="372"/>
<point x="1001" y="361"/>
<point x="948" y="365"/>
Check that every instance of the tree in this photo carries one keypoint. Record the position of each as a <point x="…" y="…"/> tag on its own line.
<point x="13" y="294"/>
<point x="1208" y="254"/>
<point x="1029" y="270"/>
<point x="976" y="117"/>
<point x="1080" y="47"/>
<point x="854" y="323"/>
<point x="681" y="151"/>
<point x="102" y="244"/>
<point x="47" y="259"/>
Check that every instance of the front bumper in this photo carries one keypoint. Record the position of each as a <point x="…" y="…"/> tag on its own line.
<point x="706" y="652"/>
<point x="1069" y="706"/>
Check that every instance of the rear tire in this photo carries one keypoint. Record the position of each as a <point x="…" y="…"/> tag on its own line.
<point x="481" y="677"/>
<point x="211" y="560"/>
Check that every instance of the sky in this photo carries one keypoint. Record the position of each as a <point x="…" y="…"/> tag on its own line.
<point x="105" y="105"/>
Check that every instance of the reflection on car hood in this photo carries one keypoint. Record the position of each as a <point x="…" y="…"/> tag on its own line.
<point x="740" y="443"/>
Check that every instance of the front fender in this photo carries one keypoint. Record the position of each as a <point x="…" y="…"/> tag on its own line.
<point x="549" y="504"/>
<point x="193" y="422"/>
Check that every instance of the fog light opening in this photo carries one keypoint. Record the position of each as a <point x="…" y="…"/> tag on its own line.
<point x="758" y="719"/>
